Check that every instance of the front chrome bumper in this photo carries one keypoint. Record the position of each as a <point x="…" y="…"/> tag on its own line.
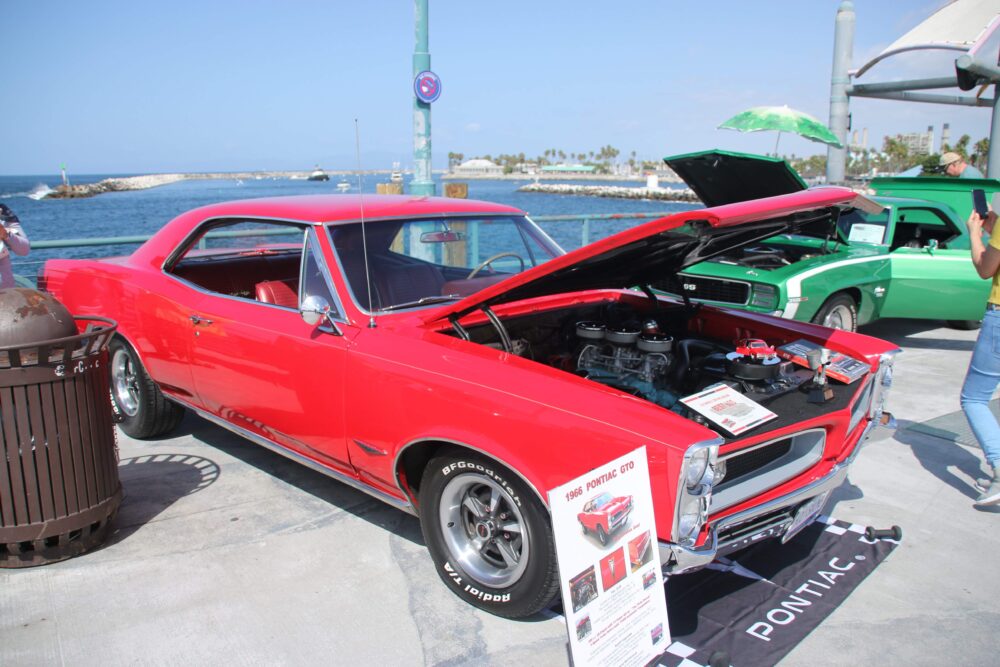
<point x="765" y="521"/>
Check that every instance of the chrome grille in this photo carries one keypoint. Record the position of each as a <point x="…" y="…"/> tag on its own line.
<point x="709" y="289"/>
<point x="745" y="463"/>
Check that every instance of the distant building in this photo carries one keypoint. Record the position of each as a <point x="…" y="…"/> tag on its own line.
<point x="919" y="143"/>
<point x="569" y="169"/>
<point x="478" y="167"/>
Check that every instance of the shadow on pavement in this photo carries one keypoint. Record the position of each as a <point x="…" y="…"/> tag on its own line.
<point x="152" y="483"/>
<point x="940" y="454"/>
<point x="904" y="333"/>
<point x="326" y="489"/>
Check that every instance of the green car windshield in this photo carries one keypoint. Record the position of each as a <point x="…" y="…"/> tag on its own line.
<point x="858" y="227"/>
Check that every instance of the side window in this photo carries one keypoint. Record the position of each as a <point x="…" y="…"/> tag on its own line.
<point x="248" y="259"/>
<point x="315" y="280"/>
<point x="918" y="227"/>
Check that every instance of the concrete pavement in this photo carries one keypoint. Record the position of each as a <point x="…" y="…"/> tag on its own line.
<point x="226" y="553"/>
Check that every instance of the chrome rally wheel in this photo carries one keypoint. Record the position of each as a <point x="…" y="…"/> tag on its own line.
<point x="483" y="530"/>
<point x="488" y="533"/>
<point x="124" y="383"/>
<point x="142" y="409"/>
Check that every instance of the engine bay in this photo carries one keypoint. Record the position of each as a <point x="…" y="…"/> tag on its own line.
<point x="769" y="256"/>
<point x="659" y="356"/>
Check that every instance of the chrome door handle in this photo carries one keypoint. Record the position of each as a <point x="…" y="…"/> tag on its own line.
<point x="196" y="320"/>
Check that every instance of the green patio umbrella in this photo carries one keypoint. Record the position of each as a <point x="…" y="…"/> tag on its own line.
<point x="782" y="119"/>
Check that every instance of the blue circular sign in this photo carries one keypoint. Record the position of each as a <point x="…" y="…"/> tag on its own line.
<point x="427" y="86"/>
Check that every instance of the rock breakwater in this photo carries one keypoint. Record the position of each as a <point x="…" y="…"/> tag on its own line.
<point x="113" y="185"/>
<point x="616" y="191"/>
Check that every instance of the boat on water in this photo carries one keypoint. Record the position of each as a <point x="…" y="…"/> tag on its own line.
<point x="397" y="175"/>
<point x="318" y="175"/>
<point x="343" y="186"/>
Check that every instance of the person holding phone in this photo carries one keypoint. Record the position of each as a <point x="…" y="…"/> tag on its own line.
<point x="983" y="376"/>
<point x="12" y="239"/>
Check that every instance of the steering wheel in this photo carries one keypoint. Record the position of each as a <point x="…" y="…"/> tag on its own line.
<point x="489" y="260"/>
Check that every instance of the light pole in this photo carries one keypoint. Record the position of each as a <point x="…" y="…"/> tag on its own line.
<point x="426" y="89"/>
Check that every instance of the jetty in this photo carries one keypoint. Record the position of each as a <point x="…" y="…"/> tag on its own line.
<point x="155" y="180"/>
<point x="615" y="191"/>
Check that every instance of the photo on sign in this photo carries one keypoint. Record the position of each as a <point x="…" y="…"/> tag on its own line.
<point x="583" y="588"/>
<point x="604" y="516"/>
<point x="657" y="634"/>
<point x="648" y="579"/>
<point x="639" y="552"/>
<point x="583" y="627"/>
<point x="612" y="568"/>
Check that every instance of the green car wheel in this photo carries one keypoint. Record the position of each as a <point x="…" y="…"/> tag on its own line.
<point x="838" y="312"/>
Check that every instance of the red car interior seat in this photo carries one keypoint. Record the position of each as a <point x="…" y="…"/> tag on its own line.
<point x="279" y="292"/>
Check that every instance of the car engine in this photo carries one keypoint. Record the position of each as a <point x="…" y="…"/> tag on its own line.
<point x="767" y="256"/>
<point x="646" y="362"/>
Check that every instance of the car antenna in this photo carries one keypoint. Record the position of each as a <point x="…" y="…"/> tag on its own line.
<point x="364" y="238"/>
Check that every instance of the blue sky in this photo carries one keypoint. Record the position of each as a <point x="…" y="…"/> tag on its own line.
<point x="221" y="85"/>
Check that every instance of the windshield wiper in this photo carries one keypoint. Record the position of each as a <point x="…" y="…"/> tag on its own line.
<point x="424" y="301"/>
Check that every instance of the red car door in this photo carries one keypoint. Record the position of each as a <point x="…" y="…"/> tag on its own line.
<point x="261" y="368"/>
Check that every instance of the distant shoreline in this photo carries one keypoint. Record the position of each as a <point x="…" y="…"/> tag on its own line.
<point x="144" y="182"/>
<point x="127" y="183"/>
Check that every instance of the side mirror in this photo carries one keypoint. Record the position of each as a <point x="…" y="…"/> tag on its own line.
<point x="315" y="310"/>
<point x="932" y="245"/>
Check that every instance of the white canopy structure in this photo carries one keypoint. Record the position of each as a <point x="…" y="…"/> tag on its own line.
<point x="968" y="28"/>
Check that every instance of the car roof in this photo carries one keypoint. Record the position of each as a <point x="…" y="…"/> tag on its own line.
<point x="334" y="208"/>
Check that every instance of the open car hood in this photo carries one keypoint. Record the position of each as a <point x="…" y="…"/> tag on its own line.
<point x="659" y="249"/>
<point x="721" y="177"/>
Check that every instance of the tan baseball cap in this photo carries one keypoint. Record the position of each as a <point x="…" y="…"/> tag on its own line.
<point x="948" y="158"/>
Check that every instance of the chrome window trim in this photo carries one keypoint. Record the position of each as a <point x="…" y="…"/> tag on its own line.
<point x="545" y="241"/>
<point x="305" y="227"/>
<point x="314" y="249"/>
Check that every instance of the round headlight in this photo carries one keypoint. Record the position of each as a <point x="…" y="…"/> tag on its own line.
<point x="697" y="467"/>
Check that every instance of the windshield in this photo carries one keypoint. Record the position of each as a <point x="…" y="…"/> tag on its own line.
<point x="601" y="500"/>
<point x="859" y="227"/>
<point x="420" y="262"/>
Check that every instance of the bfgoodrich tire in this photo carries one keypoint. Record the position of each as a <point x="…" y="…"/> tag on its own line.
<point x="838" y="312"/>
<point x="137" y="401"/>
<point x="489" y="535"/>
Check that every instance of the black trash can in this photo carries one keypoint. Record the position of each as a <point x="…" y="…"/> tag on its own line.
<point x="59" y="485"/>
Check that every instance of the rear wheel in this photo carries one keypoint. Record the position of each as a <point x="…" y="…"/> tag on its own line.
<point x="135" y="398"/>
<point x="838" y="312"/>
<point x="489" y="535"/>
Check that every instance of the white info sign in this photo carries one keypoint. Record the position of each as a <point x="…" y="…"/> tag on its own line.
<point x="612" y="588"/>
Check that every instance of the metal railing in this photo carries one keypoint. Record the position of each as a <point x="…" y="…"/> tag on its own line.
<point x="26" y="268"/>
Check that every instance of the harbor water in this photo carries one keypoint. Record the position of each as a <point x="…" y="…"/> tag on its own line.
<point x="143" y="212"/>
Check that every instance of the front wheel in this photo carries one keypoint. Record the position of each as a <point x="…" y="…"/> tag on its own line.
<point x="135" y="398"/>
<point x="488" y="534"/>
<point x="838" y="312"/>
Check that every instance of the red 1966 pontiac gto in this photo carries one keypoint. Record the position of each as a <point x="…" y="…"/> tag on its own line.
<point x="447" y="357"/>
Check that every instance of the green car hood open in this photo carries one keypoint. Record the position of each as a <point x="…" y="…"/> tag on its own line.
<point x="722" y="177"/>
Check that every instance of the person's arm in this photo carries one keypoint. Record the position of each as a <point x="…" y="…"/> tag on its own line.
<point x="15" y="238"/>
<point x="986" y="258"/>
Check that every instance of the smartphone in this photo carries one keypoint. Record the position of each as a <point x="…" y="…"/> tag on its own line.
<point x="979" y="203"/>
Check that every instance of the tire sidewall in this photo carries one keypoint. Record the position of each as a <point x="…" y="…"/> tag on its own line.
<point x="522" y="597"/>
<point x="139" y="424"/>
<point x="833" y="302"/>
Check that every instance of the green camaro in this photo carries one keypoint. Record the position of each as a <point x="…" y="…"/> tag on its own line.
<point x="909" y="260"/>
